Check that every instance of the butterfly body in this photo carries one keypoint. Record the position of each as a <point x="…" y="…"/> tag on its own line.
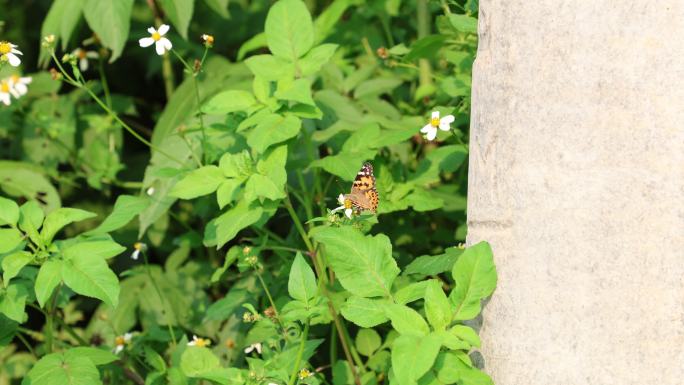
<point x="363" y="195"/>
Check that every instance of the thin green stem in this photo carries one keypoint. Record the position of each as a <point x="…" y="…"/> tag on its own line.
<point x="105" y="85"/>
<point x="298" y="224"/>
<point x="49" y="321"/>
<point x="352" y="349"/>
<point x="268" y="293"/>
<point x="195" y="83"/>
<point x="26" y="344"/>
<point x="167" y="312"/>
<point x="300" y="352"/>
<point x="423" y="14"/>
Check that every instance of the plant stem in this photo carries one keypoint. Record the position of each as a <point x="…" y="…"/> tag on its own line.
<point x="154" y="283"/>
<point x="195" y="83"/>
<point x="423" y="14"/>
<point x="300" y="352"/>
<point x="268" y="293"/>
<point x="26" y="343"/>
<point x="49" y="321"/>
<point x="298" y="224"/>
<point x="105" y="85"/>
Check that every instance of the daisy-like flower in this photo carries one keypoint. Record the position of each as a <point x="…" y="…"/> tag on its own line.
<point x="208" y="40"/>
<point x="253" y="347"/>
<point x="18" y="85"/>
<point x="444" y="124"/>
<point x="83" y="56"/>
<point x="9" y="52"/>
<point x="157" y="38"/>
<point x="5" y="92"/>
<point x="346" y="206"/>
<point x="199" y="342"/>
<point x="305" y="373"/>
<point x="138" y="247"/>
<point x="120" y="342"/>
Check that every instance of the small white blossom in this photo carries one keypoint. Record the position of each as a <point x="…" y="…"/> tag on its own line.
<point x="150" y="191"/>
<point x="162" y="44"/>
<point x="18" y="85"/>
<point x="9" y="52"/>
<point x="430" y="129"/>
<point x="138" y="247"/>
<point x="199" y="342"/>
<point x="83" y="56"/>
<point x="5" y="92"/>
<point x="253" y="347"/>
<point x="120" y="342"/>
<point x="346" y="206"/>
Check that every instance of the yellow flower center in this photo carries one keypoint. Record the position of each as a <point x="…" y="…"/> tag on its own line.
<point x="156" y="36"/>
<point x="5" y="48"/>
<point x="434" y="122"/>
<point x="347" y="203"/>
<point x="4" y="87"/>
<point x="15" y="78"/>
<point x="119" y="341"/>
<point x="81" y="54"/>
<point x="201" y="342"/>
<point x="138" y="246"/>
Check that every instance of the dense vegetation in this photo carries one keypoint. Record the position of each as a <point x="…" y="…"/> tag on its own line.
<point x="176" y="200"/>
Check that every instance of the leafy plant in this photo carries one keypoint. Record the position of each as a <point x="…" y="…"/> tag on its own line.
<point x="239" y="269"/>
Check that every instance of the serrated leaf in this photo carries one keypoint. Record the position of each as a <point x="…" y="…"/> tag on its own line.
<point x="9" y="212"/>
<point x="58" y="368"/>
<point x="13" y="301"/>
<point x="227" y="192"/>
<point x="467" y="334"/>
<point x="434" y="264"/>
<point x="437" y="306"/>
<point x="367" y="341"/>
<point x="125" y="209"/>
<point x="97" y="356"/>
<point x="59" y="218"/>
<point x="273" y="129"/>
<point x="365" y="312"/>
<point x="316" y="58"/>
<point x="100" y="248"/>
<point x="90" y="276"/>
<point x="406" y="320"/>
<point x="475" y="276"/>
<point x="463" y="23"/>
<point x="9" y="240"/>
<point x="301" y="284"/>
<point x="289" y="29"/>
<point x="13" y="263"/>
<point x="297" y="91"/>
<point x="229" y="101"/>
<point x="270" y="68"/>
<point x="228" y="224"/>
<point x="49" y="276"/>
<point x="363" y="263"/>
<point x="413" y="356"/>
<point x="202" y="181"/>
<point x="110" y="19"/>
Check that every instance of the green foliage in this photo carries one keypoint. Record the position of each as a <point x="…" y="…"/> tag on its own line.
<point x="145" y="200"/>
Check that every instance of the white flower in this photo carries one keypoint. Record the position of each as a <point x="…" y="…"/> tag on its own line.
<point x="208" y="39"/>
<point x="430" y="129"/>
<point x="83" y="56"/>
<point x="150" y="191"/>
<point x="5" y="91"/>
<point x="199" y="342"/>
<point x="137" y="248"/>
<point x="157" y="38"/>
<point x="9" y="52"/>
<point x="18" y="85"/>
<point x="346" y="206"/>
<point x="252" y="347"/>
<point x="120" y="342"/>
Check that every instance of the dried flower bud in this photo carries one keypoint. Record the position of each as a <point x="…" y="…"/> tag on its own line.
<point x="382" y="53"/>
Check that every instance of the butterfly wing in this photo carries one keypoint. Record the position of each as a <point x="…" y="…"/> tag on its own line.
<point x="363" y="194"/>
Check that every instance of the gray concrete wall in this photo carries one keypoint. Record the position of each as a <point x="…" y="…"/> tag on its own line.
<point x="577" y="180"/>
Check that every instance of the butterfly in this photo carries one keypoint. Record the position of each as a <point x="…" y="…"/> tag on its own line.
<point x="363" y="195"/>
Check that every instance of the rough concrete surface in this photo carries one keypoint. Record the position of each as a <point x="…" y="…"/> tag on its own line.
<point x="577" y="181"/>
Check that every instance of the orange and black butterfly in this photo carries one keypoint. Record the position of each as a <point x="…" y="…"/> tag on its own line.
<point x="363" y="195"/>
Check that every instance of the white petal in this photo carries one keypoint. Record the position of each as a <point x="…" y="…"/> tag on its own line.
<point x="16" y="51"/>
<point x="428" y="127"/>
<point x="118" y="349"/>
<point x="26" y="80"/>
<point x="257" y="346"/>
<point x="83" y="64"/>
<point x="167" y="43"/>
<point x="151" y="30"/>
<point x="135" y="254"/>
<point x="92" y="55"/>
<point x="348" y="213"/>
<point x="340" y="199"/>
<point x="336" y="209"/>
<point x="249" y="349"/>
<point x="159" y="47"/>
<point x="5" y="98"/>
<point x="163" y="29"/>
<point x="192" y="343"/>
<point x="13" y="59"/>
<point x="432" y="134"/>
<point x="146" y="42"/>
<point x="445" y="122"/>
<point x="435" y="114"/>
<point x="127" y="337"/>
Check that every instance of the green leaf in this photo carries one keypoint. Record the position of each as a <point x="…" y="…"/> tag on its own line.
<point x="271" y="177"/>
<point x="9" y="212"/>
<point x="90" y="276"/>
<point x="205" y="180"/>
<point x="232" y="221"/>
<point x="434" y="264"/>
<point x="220" y="7"/>
<point x="195" y="361"/>
<point x="13" y="301"/>
<point x="125" y="209"/>
<point x="9" y="240"/>
<point x="411" y="292"/>
<point x="413" y="356"/>
<point x="237" y="166"/>
<point x="463" y="23"/>
<point x="367" y="342"/>
<point x="57" y="368"/>
<point x="227" y="192"/>
<point x="475" y="276"/>
<point x="8" y="329"/>
<point x="345" y="164"/>
<point x="452" y="367"/>
<point x="437" y="306"/>
<point x="270" y="68"/>
<point x="273" y="129"/>
<point x="425" y="47"/>
<point x="59" y="218"/>
<point x="467" y="334"/>
<point x="229" y="101"/>
<point x="180" y="14"/>
<point x="225" y="307"/>
<point x="110" y="19"/>
<point x="363" y="263"/>
<point x="61" y="20"/>
<point x="20" y="179"/>
<point x="365" y="312"/>
<point x="13" y="263"/>
<point x="104" y="248"/>
<point x="298" y="91"/>
<point x="289" y="29"/>
<point x="406" y="320"/>
<point x="97" y="356"/>
<point x="302" y="282"/>
<point x="377" y="86"/>
<point x="316" y="58"/>
<point x="154" y="359"/>
<point x="49" y="276"/>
